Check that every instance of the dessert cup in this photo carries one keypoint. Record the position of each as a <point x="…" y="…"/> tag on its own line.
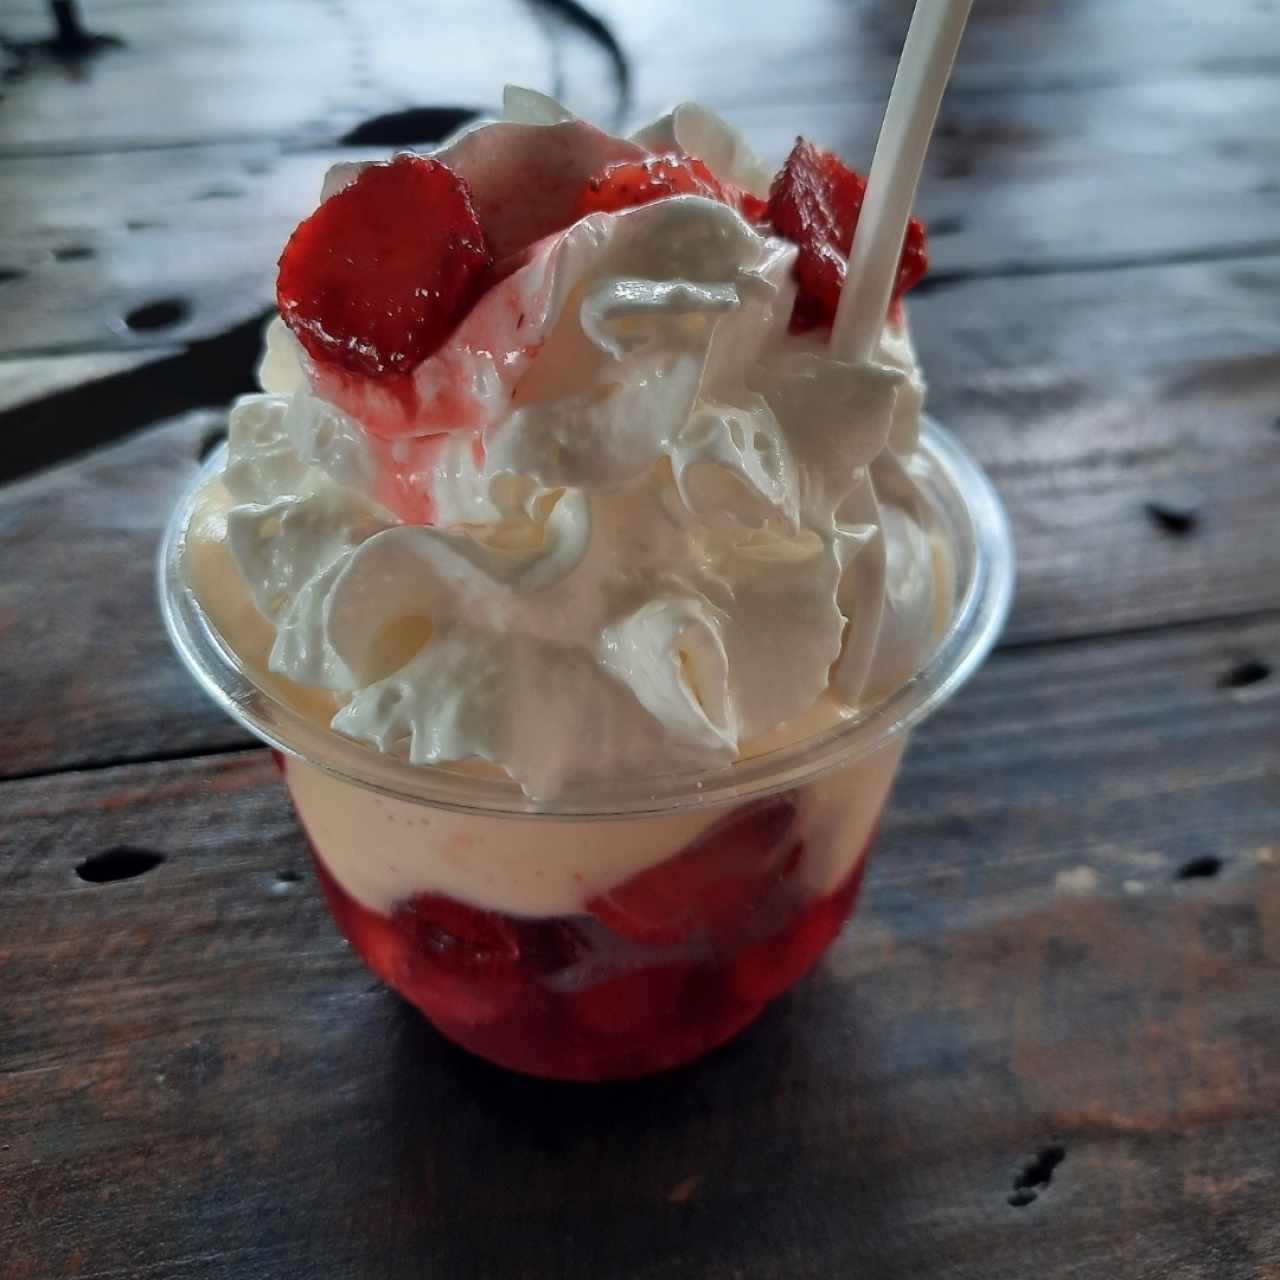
<point x="621" y="928"/>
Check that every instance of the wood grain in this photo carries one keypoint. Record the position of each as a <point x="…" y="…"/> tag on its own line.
<point x="154" y="384"/>
<point x="1090" y="397"/>
<point x="307" y="70"/>
<point x="1016" y="181"/>
<point x="194" y="1050"/>
<point x="1047" y="1046"/>
<point x="1046" y="180"/>
<point x="198" y="228"/>
<point x="823" y="50"/>
<point x="89" y="673"/>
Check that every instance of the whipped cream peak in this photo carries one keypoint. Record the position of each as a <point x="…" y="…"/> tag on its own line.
<point x="689" y="129"/>
<point x="693" y="130"/>
<point x="528" y="106"/>
<point x="638" y="522"/>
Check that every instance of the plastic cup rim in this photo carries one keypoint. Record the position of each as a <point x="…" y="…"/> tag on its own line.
<point x="970" y="513"/>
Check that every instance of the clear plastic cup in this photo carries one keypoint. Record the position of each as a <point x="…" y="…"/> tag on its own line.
<point x="748" y="871"/>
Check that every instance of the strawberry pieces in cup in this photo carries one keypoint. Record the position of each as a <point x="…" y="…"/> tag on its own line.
<point x="713" y="886"/>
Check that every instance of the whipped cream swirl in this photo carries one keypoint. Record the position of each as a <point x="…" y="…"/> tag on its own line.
<point x="635" y="523"/>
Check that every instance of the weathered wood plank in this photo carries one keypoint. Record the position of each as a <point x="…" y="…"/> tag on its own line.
<point x="196" y="1078"/>
<point x="194" y="1049"/>
<point x="1039" y="180"/>
<point x="121" y="251"/>
<point x="148" y="385"/>
<point x="822" y="50"/>
<point x="310" y="70"/>
<point x="34" y="378"/>
<point x="88" y="671"/>
<point x="1130" y="421"/>
<point x="1048" y="180"/>
<point x="216" y="70"/>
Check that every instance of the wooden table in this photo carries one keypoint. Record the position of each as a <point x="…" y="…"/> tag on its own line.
<point x="1050" y="1045"/>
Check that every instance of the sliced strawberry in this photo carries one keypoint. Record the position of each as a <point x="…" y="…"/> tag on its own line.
<point x="384" y="949"/>
<point x="766" y="968"/>
<point x="709" y="886"/>
<point x="627" y="183"/>
<point x="815" y="201"/>
<point x="380" y="275"/>
<point x="458" y="962"/>
<point x="640" y="1004"/>
<point x="461" y="935"/>
<point x="550" y="946"/>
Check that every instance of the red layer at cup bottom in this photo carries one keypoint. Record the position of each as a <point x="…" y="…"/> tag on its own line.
<point x="616" y="993"/>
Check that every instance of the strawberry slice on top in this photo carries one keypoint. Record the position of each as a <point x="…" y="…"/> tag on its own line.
<point x="711" y="884"/>
<point x="815" y="201"/>
<point x="379" y="276"/>
<point x="627" y="183"/>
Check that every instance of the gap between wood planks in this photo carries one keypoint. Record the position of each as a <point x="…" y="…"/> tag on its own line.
<point x="290" y="143"/>
<point x="1244" y="617"/>
<point x="1017" y="270"/>
<point x="251" y="746"/>
<point x="934" y="282"/>
<point x="211" y="372"/>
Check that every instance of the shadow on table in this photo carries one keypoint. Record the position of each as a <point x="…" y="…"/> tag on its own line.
<point x="764" y="1148"/>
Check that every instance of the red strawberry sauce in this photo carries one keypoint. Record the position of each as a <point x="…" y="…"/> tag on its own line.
<point x="656" y="973"/>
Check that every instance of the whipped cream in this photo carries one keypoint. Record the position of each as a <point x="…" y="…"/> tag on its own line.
<point x="632" y="524"/>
